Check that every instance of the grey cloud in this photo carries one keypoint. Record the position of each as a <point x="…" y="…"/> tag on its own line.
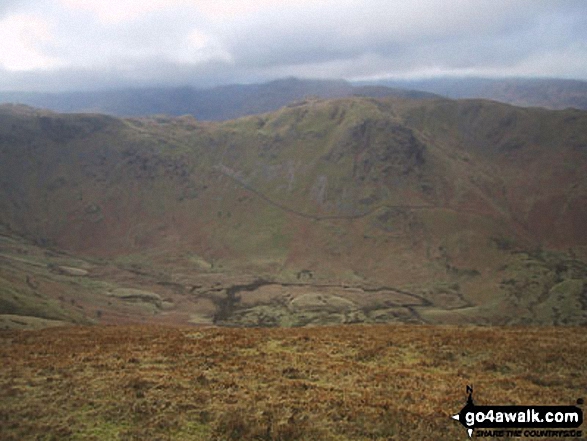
<point x="148" y="73"/>
<point x="487" y="36"/>
<point x="320" y="39"/>
<point x="96" y="43"/>
<point x="12" y="6"/>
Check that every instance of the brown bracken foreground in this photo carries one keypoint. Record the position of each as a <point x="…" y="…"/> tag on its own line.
<point x="359" y="382"/>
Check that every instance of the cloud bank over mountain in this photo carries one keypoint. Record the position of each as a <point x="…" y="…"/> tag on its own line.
<point x="84" y="44"/>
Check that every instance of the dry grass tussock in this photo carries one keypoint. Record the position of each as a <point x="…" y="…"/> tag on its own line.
<point x="335" y="383"/>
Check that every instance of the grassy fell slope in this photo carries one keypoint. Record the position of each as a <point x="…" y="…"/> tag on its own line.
<point x="387" y="382"/>
<point x="437" y="199"/>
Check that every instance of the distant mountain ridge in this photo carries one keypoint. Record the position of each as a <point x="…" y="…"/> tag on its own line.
<point x="233" y="101"/>
<point x="219" y="103"/>
<point x="550" y="93"/>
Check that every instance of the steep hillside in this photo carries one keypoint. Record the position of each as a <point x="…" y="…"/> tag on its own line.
<point x="351" y="210"/>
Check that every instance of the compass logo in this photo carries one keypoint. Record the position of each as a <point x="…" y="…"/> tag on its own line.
<point x="506" y="418"/>
<point x="466" y="410"/>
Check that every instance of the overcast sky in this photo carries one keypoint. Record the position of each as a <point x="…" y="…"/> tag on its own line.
<point x="53" y="45"/>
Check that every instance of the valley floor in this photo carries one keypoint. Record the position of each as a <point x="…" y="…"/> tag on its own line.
<point x="377" y="382"/>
